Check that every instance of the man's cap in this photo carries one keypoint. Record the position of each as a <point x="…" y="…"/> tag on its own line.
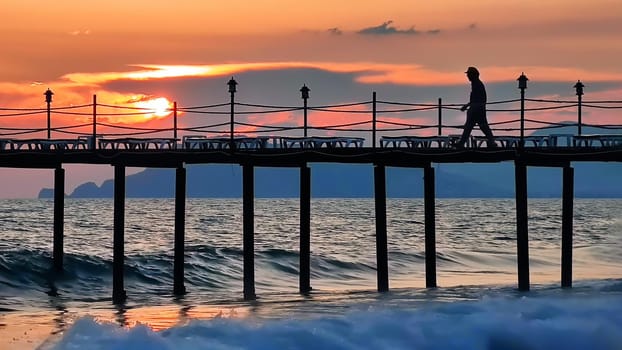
<point x="472" y="70"/>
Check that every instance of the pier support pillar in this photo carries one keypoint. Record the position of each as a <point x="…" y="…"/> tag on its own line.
<point x="180" y="227"/>
<point x="248" y="198"/>
<point x="567" y="218"/>
<point x="305" y="230"/>
<point x="382" y="257"/>
<point x="59" y="217"/>
<point x="522" y="240"/>
<point x="118" y="291"/>
<point x="430" y="226"/>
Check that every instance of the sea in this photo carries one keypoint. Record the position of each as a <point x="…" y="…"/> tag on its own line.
<point x="476" y="306"/>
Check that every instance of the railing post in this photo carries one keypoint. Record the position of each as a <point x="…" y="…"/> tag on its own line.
<point x="48" y="100"/>
<point x="175" y="123"/>
<point x="305" y="96"/>
<point x="522" y="85"/>
<point x="93" y="140"/>
<point x="232" y="89"/>
<point x="373" y="116"/>
<point x="440" y="116"/>
<point x="579" y="87"/>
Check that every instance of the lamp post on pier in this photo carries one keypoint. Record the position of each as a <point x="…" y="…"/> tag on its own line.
<point x="48" y="100"/>
<point x="232" y="90"/>
<point x="522" y="85"/>
<point x="579" y="87"/>
<point x="305" y="96"/>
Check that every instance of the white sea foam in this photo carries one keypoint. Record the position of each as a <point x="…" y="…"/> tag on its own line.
<point x="534" y="323"/>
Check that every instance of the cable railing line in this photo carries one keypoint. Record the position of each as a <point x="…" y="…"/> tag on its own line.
<point x="73" y="133"/>
<point x="22" y="129"/>
<point x="132" y="127"/>
<point x="184" y="109"/>
<point x="339" y="110"/>
<point x="268" y="112"/>
<point x="218" y="132"/>
<point x="548" y="101"/>
<point x="347" y="124"/>
<point x="265" y="126"/>
<point x="59" y="128"/>
<point x="85" y="114"/>
<point x="129" y="133"/>
<point x="146" y="109"/>
<point x="70" y="107"/>
<point x="23" y="109"/>
<point x="615" y="127"/>
<point x="266" y="106"/>
<point x="21" y="114"/>
<point x="434" y="105"/>
<point x="340" y="129"/>
<point x="210" y="112"/>
<point x="406" y="110"/>
<point x="204" y="126"/>
<point x="602" y="107"/>
<point x="602" y="101"/>
<point x="403" y="124"/>
<point x="343" y="105"/>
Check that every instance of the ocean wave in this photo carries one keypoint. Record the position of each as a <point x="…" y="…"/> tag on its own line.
<point x="206" y="268"/>
<point x="501" y="323"/>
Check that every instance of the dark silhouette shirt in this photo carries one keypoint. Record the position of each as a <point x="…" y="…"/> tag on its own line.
<point x="478" y="95"/>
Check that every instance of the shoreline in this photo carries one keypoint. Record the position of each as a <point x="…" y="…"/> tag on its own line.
<point x="42" y="329"/>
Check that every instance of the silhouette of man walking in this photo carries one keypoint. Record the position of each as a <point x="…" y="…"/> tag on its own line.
<point x="476" y="113"/>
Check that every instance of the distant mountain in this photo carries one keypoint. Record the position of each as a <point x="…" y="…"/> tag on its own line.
<point x="356" y="181"/>
<point x="46" y="193"/>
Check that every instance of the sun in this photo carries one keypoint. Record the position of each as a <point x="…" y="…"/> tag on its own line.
<point x="156" y="107"/>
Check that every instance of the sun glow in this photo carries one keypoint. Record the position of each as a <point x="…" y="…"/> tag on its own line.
<point x="155" y="108"/>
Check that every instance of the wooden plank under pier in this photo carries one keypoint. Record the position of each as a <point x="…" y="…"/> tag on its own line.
<point x="382" y="254"/>
<point x="430" y="226"/>
<point x="118" y="254"/>
<point x="248" y="228"/>
<point x="180" y="229"/>
<point x="305" y="230"/>
<point x="567" y="216"/>
<point x="522" y="240"/>
<point x="59" y="217"/>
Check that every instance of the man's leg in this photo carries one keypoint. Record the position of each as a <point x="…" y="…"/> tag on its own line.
<point x="468" y="127"/>
<point x="485" y="128"/>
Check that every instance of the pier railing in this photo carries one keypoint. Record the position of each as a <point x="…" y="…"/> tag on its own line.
<point x="372" y="123"/>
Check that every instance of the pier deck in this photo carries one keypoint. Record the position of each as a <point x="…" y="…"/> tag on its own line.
<point x="293" y="157"/>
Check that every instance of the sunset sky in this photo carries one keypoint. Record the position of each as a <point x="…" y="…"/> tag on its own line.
<point x="186" y="51"/>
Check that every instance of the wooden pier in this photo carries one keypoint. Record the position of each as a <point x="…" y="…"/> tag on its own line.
<point x="249" y="159"/>
<point x="412" y="151"/>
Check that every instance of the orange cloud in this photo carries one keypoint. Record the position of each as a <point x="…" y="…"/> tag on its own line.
<point x="367" y="72"/>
